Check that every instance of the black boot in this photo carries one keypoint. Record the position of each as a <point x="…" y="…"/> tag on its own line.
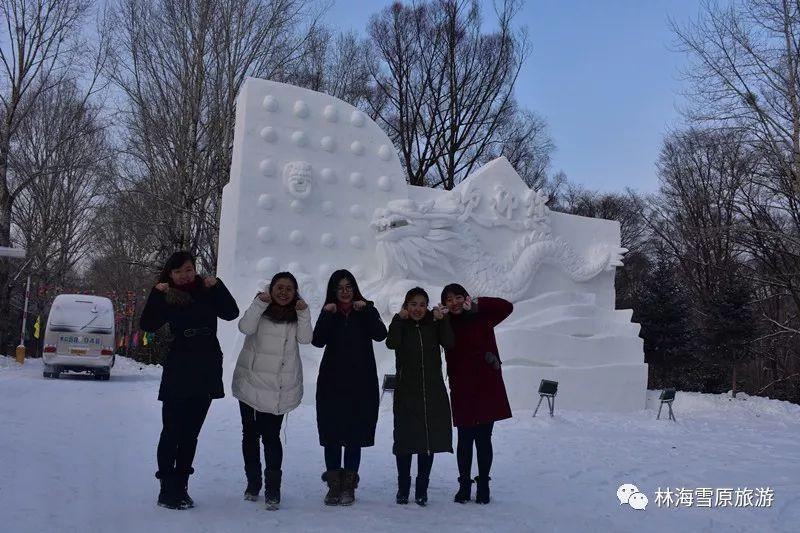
<point x="252" y="490"/>
<point x="349" y="484"/>
<point x="253" y="473"/>
<point x="421" y="491"/>
<point x="334" y="480"/>
<point x="169" y="496"/>
<point x="183" y="488"/>
<point x="403" y="487"/>
<point x="272" y="489"/>
<point x="464" y="493"/>
<point x="482" y="490"/>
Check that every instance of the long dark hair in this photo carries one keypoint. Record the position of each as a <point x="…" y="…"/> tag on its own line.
<point x="333" y="284"/>
<point x="282" y="313"/>
<point x="175" y="261"/>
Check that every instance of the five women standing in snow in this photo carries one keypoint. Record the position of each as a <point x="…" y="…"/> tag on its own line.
<point x="268" y="379"/>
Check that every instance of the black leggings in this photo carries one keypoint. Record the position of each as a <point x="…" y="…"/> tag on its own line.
<point x="352" y="457"/>
<point x="424" y="464"/>
<point x="181" y="424"/>
<point x="267" y="428"/>
<point x="481" y="435"/>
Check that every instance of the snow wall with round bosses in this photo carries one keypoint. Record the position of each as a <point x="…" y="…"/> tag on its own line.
<point x="316" y="186"/>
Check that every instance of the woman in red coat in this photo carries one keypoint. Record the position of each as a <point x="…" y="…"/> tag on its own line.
<point x="477" y="392"/>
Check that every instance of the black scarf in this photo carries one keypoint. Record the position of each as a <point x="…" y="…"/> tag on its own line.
<point x="281" y="313"/>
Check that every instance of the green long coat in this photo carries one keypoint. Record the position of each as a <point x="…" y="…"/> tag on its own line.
<point x="422" y="422"/>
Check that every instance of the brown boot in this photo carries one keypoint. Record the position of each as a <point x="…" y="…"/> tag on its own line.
<point x="349" y="484"/>
<point x="334" y="480"/>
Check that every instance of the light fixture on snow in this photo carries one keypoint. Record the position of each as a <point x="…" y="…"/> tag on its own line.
<point x="667" y="397"/>
<point x="389" y="383"/>
<point x="547" y="389"/>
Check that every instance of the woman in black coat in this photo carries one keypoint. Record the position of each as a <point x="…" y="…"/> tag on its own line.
<point x="347" y="385"/>
<point x="192" y="369"/>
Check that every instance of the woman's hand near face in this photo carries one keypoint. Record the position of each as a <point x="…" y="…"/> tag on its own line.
<point x="265" y="297"/>
<point x="403" y="313"/>
<point x="467" y="303"/>
<point x="209" y="282"/>
<point x="330" y="308"/>
<point x="163" y="287"/>
<point x="301" y="305"/>
<point x="438" y="313"/>
<point x="359" y="305"/>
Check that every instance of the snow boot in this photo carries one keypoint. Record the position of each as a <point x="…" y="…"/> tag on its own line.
<point x="272" y="489"/>
<point x="169" y="496"/>
<point x="253" y="474"/>
<point x="482" y="490"/>
<point x="252" y="490"/>
<point x="421" y="491"/>
<point x="349" y="484"/>
<point x="464" y="493"/>
<point x="183" y="486"/>
<point x="403" y="487"/>
<point x="334" y="480"/>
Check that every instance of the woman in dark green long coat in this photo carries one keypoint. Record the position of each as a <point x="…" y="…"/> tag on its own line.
<point x="422" y="423"/>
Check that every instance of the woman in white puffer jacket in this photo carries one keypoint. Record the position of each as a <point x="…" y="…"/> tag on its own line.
<point x="268" y="379"/>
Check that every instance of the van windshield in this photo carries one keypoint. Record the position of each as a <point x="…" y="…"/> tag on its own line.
<point x="80" y="315"/>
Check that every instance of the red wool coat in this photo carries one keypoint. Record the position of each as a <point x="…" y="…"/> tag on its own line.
<point x="477" y="392"/>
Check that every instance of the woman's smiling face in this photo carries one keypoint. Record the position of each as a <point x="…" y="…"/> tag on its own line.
<point x="417" y="306"/>
<point x="283" y="291"/>
<point x="454" y="303"/>
<point x="184" y="274"/>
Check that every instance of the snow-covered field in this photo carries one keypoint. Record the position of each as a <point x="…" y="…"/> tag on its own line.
<point x="79" y="455"/>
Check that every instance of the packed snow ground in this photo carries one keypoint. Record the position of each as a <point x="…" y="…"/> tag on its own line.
<point x="79" y="455"/>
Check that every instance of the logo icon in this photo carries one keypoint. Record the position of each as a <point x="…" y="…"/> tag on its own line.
<point x="628" y="493"/>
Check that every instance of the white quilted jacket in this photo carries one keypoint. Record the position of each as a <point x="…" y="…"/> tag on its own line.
<point x="269" y="374"/>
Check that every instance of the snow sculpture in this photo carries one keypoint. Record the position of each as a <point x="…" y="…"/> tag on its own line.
<point x="352" y="208"/>
<point x="297" y="178"/>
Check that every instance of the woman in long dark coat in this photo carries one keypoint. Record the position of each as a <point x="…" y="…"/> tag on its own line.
<point x="192" y="369"/>
<point x="477" y="392"/>
<point x="347" y="385"/>
<point x="422" y="423"/>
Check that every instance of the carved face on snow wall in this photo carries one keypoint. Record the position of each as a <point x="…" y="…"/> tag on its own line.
<point x="298" y="179"/>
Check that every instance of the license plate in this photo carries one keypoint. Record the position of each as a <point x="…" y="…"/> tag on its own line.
<point x="78" y="351"/>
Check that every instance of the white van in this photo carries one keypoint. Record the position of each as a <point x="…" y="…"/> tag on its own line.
<point x="79" y="336"/>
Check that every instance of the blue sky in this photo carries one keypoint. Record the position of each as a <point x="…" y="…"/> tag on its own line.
<point x="603" y="73"/>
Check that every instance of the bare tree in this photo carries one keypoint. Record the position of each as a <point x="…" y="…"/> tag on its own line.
<point x="53" y="216"/>
<point x="444" y="86"/>
<point x="336" y="64"/>
<point x="43" y="49"/>
<point x="746" y="61"/>
<point x="696" y="218"/>
<point x="525" y="141"/>
<point x="744" y="77"/>
<point x="180" y="67"/>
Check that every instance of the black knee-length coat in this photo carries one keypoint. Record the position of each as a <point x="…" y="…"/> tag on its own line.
<point x="193" y="365"/>
<point x="422" y="422"/>
<point x="347" y="385"/>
